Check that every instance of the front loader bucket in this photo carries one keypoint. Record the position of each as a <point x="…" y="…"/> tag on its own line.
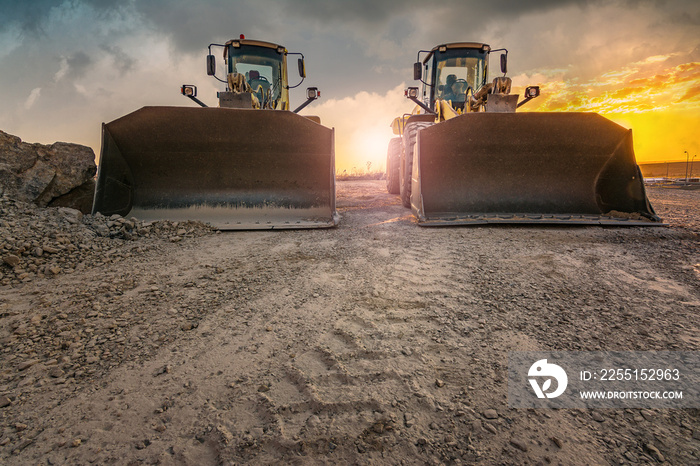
<point x="528" y="168"/>
<point x="237" y="169"/>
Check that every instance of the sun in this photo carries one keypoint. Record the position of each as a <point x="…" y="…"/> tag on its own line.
<point x="370" y="146"/>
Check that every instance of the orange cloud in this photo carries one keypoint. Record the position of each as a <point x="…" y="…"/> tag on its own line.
<point x="635" y="88"/>
<point x="692" y="94"/>
<point x="659" y="102"/>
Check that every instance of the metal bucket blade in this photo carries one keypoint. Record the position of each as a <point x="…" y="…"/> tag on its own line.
<point x="232" y="168"/>
<point x="528" y="167"/>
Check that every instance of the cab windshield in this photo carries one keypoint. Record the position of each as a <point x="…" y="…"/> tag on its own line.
<point x="456" y="70"/>
<point x="262" y="68"/>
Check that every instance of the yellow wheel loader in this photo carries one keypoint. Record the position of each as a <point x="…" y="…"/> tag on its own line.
<point x="249" y="163"/>
<point x="464" y="156"/>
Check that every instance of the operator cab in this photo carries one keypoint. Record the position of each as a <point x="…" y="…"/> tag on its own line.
<point x="449" y="70"/>
<point x="256" y="76"/>
<point x="264" y="67"/>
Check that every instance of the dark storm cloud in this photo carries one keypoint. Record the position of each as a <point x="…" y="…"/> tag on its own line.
<point x="374" y="11"/>
<point x="78" y="64"/>
<point x="122" y="61"/>
<point x="191" y="24"/>
<point x="30" y="15"/>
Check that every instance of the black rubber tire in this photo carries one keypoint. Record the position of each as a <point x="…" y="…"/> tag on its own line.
<point x="409" y="142"/>
<point x="393" y="166"/>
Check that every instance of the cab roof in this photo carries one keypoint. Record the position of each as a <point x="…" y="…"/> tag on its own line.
<point x="256" y="43"/>
<point x="458" y="45"/>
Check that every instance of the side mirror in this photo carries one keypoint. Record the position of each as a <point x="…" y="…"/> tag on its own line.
<point x="504" y="63"/>
<point x="417" y="71"/>
<point x="302" y="68"/>
<point x="211" y="65"/>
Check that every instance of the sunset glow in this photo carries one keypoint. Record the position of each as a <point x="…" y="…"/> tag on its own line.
<point x="659" y="101"/>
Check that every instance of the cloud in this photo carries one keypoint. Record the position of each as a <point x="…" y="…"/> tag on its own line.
<point x="691" y="94"/>
<point x="73" y="66"/>
<point x="122" y="61"/>
<point x="362" y="123"/>
<point x="62" y="70"/>
<point x="33" y="96"/>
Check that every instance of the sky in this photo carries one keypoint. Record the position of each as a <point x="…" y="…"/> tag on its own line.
<point x="66" y="66"/>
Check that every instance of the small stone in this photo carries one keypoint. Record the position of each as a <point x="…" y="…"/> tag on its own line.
<point x="71" y="215"/>
<point x="50" y="250"/>
<point x="490" y="414"/>
<point x="597" y="416"/>
<point x="11" y="260"/>
<point x="409" y="420"/>
<point x="188" y="326"/>
<point x="27" y="364"/>
<point x="19" y="427"/>
<point x="477" y="427"/>
<point x="264" y="388"/>
<point x="422" y="441"/>
<point x="439" y="383"/>
<point x="653" y="451"/>
<point x="56" y="372"/>
<point x="557" y="441"/>
<point x="696" y="434"/>
<point x="313" y="421"/>
<point x="519" y="444"/>
<point x="488" y="426"/>
<point x="160" y="428"/>
<point x="163" y="370"/>
<point x="76" y="443"/>
<point x="5" y="401"/>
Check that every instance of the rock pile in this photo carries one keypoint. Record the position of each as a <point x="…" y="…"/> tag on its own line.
<point x="43" y="242"/>
<point x="60" y="174"/>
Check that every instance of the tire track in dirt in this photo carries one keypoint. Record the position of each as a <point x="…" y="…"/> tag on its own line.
<point x="376" y="342"/>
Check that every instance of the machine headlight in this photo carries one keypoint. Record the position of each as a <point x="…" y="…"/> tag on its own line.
<point x="189" y="90"/>
<point x="532" y="91"/>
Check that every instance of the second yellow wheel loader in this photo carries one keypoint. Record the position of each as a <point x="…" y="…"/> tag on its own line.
<point x="464" y="156"/>
<point x="250" y="163"/>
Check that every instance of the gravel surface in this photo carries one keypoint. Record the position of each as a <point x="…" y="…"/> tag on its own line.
<point x="378" y="342"/>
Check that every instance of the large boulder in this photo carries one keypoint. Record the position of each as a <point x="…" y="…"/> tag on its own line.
<point x="57" y="174"/>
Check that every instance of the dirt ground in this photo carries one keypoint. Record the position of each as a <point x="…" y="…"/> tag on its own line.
<point x="378" y="342"/>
